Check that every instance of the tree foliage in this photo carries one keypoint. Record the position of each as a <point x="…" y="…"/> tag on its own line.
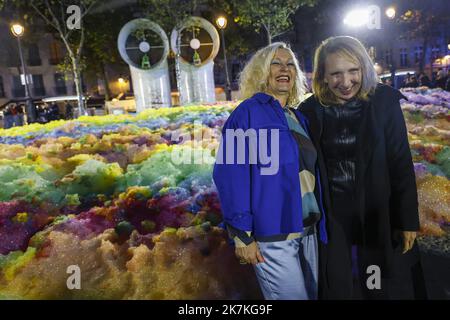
<point x="271" y="16"/>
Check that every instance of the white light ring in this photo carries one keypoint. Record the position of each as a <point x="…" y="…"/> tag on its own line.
<point x="201" y="23"/>
<point x="131" y="26"/>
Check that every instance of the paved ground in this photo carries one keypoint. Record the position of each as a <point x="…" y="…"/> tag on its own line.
<point x="436" y="270"/>
<point x="435" y="256"/>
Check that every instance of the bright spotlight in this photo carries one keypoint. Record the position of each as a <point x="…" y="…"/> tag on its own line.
<point x="390" y="12"/>
<point x="357" y="18"/>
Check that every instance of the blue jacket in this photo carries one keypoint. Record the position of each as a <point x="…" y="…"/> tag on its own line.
<point x="264" y="204"/>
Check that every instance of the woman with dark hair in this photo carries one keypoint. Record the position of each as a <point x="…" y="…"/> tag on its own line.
<point x="358" y="128"/>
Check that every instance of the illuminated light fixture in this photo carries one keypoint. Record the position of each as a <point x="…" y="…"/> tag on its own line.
<point x="390" y="12"/>
<point x="378" y="68"/>
<point x="357" y="18"/>
<point x="221" y="22"/>
<point x="17" y="30"/>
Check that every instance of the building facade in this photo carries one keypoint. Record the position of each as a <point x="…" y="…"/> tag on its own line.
<point x="41" y="59"/>
<point x="406" y="54"/>
<point x="42" y="54"/>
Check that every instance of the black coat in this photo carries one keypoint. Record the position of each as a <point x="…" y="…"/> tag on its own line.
<point x="386" y="189"/>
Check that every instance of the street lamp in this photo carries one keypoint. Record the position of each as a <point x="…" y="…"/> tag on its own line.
<point x="222" y="23"/>
<point x="378" y="68"/>
<point x="356" y="18"/>
<point x="121" y="82"/>
<point x="18" y="30"/>
<point x="390" y="12"/>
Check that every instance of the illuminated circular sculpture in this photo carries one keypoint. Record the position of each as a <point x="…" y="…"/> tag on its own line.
<point x="197" y="44"/>
<point x="144" y="45"/>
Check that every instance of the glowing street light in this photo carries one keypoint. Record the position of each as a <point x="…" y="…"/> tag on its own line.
<point x="356" y="18"/>
<point x="369" y="16"/>
<point x="17" y="30"/>
<point x="222" y="23"/>
<point x="121" y="83"/>
<point x="390" y="12"/>
<point x="378" y="68"/>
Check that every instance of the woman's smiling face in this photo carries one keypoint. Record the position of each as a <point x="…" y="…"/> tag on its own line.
<point x="282" y="73"/>
<point x="342" y="76"/>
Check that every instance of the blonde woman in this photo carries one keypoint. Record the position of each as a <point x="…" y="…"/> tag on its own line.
<point x="272" y="205"/>
<point x="358" y="129"/>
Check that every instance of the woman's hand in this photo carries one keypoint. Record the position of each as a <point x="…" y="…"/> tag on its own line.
<point x="249" y="254"/>
<point x="408" y="240"/>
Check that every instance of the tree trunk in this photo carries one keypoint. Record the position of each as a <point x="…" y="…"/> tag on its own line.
<point x="78" y="87"/>
<point x="76" y="76"/>
<point x="424" y="52"/>
<point x="177" y="66"/>
<point x="269" y="37"/>
<point x="105" y="81"/>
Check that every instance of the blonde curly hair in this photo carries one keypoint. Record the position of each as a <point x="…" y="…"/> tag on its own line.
<point x="254" y="77"/>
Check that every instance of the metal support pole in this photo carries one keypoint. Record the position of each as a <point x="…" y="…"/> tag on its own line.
<point x="227" y="85"/>
<point x="31" y="111"/>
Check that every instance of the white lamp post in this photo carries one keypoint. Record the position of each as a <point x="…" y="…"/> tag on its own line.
<point x="222" y="24"/>
<point x="18" y="30"/>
